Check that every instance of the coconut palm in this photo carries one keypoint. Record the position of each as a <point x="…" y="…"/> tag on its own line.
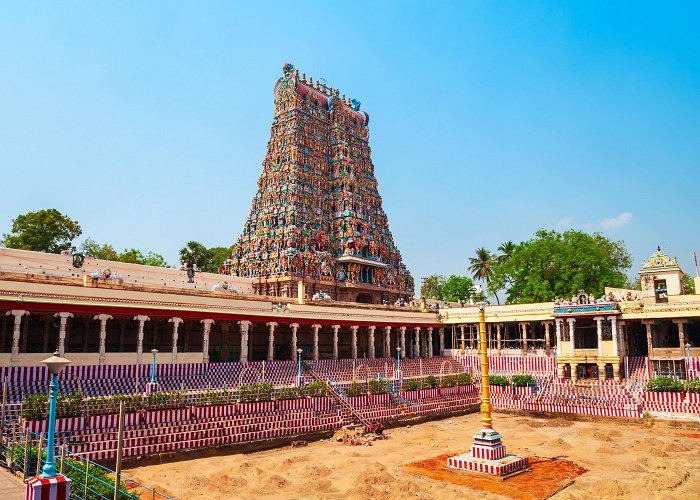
<point x="506" y="250"/>
<point x="481" y="266"/>
<point x="194" y="253"/>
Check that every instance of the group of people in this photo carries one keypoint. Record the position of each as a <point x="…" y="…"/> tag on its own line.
<point x="583" y="298"/>
<point x="224" y="286"/>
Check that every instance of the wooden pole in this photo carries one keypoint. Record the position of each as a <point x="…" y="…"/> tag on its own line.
<point x="120" y="450"/>
<point x="4" y="407"/>
<point x="27" y="445"/>
<point x="38" y="456"/>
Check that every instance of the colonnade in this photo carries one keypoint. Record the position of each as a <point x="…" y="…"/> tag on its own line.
<point x="468" y="337"/>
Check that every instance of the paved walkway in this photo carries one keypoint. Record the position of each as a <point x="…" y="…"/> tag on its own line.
<point x="10" y="487"/>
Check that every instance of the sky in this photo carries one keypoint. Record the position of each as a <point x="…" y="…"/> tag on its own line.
<point x="147" y="122"/>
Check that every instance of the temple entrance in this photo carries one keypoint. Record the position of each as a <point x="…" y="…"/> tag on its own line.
<point x="364" y="298"/>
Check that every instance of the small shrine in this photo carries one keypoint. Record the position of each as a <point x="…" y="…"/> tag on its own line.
<point x="661" y="276"/>
<point x="317" y="216"/>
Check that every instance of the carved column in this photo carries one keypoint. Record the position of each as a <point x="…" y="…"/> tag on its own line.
<point x="680" y="323"/>
<point x="315" y="329"/>
<point x="370" y="340"/>
<point x="613" y="329"/>
<point x="176" y="324"/>
<point x="547" y="339"/>
<point x="572" y="334"/>
<point x="387" y="341"/>
<point x="139" y="338"/>
<point x="353" y="341"/>
<point x="17" y="313"/>
<point x="62" y="331"/>
<point x="558" y="323"/>
<point x="416" y="348"/>
<point x="205" y="338"/>
<point x="599" y="329"/>
<point x="271" y="341"/>
<point x="103" y="335"/>
<point x="402" y="340"/>
<point x="430" y="341"/>
<point x="498" y="337"/>
<point x="244" y="327"/>
<point x="294" y="327"/>
<point x="335" y="329"/>
<point x="650" y="336"/>
<point x="523" y="328"/>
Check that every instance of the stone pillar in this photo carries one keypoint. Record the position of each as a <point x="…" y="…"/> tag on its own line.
<point x="423" y="346"/>
<point x="176" y="324"/>
<point x="416" y="349"/>
<point x="616" y="371"/>
<point x="353" y="341"/>
<point x="244" y="327"/>
<point x="558" y="323"/>
<point x="574" y="376"/>
<point x="461" y="337"/>
<point x="572" y="334"/>
<point x="547" y="339"/>
<point x="294" y="327"/>
<point x="430" y="341"/>
<point x="498" y="337"/>
<point x="18" y="313"/>
<point x="335" y="329"/>
<point x="613" y="330"/>
<point x="139" y="338"/>
<point x="622" y="338"/>
<point x="271" y="340"/>
<point x="681" y="331"/>
<point x="103" y="336"/>
<point x="650" y="336"/>
<point x="402" y="340"/>
<point x="62" y="331"/>
<point x="205" y="338"/>
<point x="599" y="329"/>
<point x="387" y="341"/>
<point x="560" y="370"/>
<point x="442" y="341"/>
<point x="523" y="329"/>
<point x="370" y="341"/>
<point x="601" y="371"/>
<point x="315" y="329"/>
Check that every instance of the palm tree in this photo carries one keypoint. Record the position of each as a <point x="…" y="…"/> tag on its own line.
<point x="506" y="250"/>
<point x="482" y="265"/>
<point x="194" y="253"/>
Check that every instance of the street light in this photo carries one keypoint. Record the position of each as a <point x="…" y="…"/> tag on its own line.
<point x="688" y="368"/>
<point x="299" y="379"/>
<point x="153" y="366"/>
<point x="398" y="365"/>
<point x="55" y="364"/>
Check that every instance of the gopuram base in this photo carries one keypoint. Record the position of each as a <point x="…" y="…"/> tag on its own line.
<point x="488" y="455"/>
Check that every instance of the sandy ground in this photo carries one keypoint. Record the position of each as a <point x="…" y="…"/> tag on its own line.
<point x="622" y="460"/>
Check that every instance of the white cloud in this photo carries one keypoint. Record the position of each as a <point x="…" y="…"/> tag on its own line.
<point x="565" y="223"/>
<point x="616" y="222"/>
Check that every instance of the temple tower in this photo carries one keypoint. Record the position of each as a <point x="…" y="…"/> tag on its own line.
<point x="317" y="216"/>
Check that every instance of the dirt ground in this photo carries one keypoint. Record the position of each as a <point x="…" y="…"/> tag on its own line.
<point x="622" y="460"/>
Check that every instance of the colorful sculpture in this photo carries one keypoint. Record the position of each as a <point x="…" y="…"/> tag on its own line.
<point x="317" y="214"/>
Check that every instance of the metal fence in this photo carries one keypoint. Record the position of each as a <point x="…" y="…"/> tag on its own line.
<point x="24" y="453"/>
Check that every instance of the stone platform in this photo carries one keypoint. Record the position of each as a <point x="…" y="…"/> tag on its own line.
<point x="488" y="455"/>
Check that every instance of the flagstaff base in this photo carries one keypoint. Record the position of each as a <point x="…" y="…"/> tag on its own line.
<point x="488" y="455"/>
<point x="151" y="387"/>
<point x="55" y="488"/>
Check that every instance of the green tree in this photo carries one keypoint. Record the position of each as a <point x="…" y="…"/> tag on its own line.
<point x="102" y="252"/>
<point x="194" y="253"/>
<point x="688" y="284"/>
<point x="506" y="250"/>
<point x="216" y="257"/>
<point x="482" y="267"/>
<point x="458" y="289"/>
<point x="432" y="287"/>
<point x="42" y="231"/>
<point x="556" y="264"/>
<point x="154" y="259"/>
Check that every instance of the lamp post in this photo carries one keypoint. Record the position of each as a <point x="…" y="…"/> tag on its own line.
<point x="399" y="375"/>
<point x="688" y="367"/>
<point x="153" y="366"/>
<point x="55" y="364"/>
<point x="299" y="378"/>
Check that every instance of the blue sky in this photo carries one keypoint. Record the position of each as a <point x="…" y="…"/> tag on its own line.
<point x="148" y="121"/>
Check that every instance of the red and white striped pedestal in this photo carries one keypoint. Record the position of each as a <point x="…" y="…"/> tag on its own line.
<point x="50" y="488"/>
<point x="151" y="387"/>
<point x="488" y="455"/>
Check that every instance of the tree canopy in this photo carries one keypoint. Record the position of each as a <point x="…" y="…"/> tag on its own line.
<point x="42" y="231"/>
<point x="458" y="289"/>
<point x="556" y="264"/>
<point x="482" y="267"/>
<point x="133" y="256"/>
<point x="432" y="287"/>
<point x="206" y="259"/>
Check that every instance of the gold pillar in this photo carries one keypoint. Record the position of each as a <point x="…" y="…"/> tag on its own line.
<point x="485" y="393"/>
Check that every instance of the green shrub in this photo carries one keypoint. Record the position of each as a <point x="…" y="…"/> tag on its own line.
<point x="69" y="405"/>
<point x="463" y="378"/>
<point x="355" y="389"/>
<point x="265" y="391"/>
<point x="431" y="382"/>
<point x="35" y="407"/>
<point x="104" y="405"/>
<point x="499" y="380"/>
<point x="166" y="400"/>
<point x="522" y="380"/>
<point x="213" y="397"/>
<point x="290" y="393"/>
<point x="664" y="384"/>
<point x="693" y="386"/>
<point x="255" y="392"/>
<point x="378" y="386"/>
<point x="410" y="385"/>
<point x="317" y="388"/>
<point x="448" y="381"/>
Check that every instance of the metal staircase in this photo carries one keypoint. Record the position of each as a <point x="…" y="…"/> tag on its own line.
<point x="394" y="392"/>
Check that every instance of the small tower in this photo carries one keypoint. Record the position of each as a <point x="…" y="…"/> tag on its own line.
<point x="661" y="276"/>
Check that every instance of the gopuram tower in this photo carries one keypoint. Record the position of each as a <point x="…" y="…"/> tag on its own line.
<point x="317" y="216"/>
